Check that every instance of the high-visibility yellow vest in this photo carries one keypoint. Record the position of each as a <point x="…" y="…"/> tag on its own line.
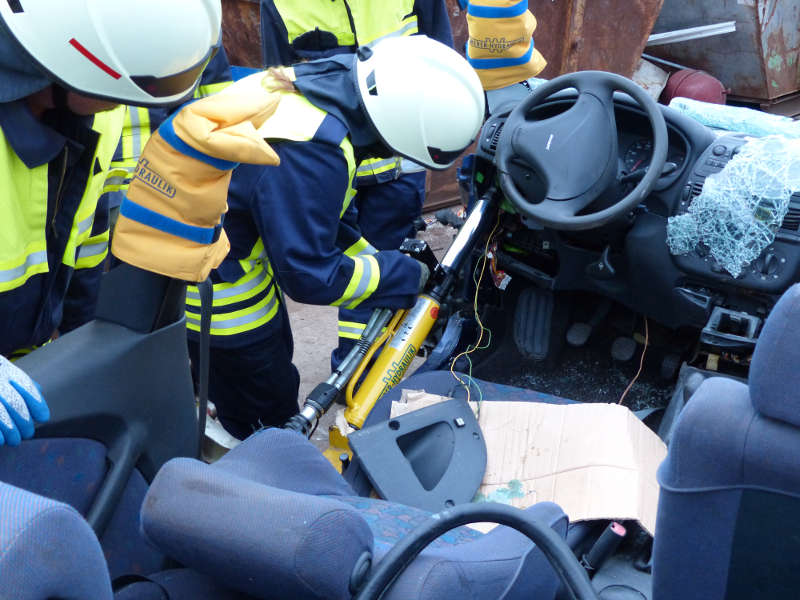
<point x="23" y="226"/>
<point x="354" y="23"/>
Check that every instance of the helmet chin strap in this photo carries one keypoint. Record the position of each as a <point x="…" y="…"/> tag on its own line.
<point x="59" y="97"/>
<point x="375" y="150"/>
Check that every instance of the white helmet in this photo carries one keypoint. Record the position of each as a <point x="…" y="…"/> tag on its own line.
<point x="424" y="99"/>
<point x="107" y="49"/>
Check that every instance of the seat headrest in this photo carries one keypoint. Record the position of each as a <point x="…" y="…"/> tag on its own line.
<point x="48" y="550"/>
<point x="775" y="369"/>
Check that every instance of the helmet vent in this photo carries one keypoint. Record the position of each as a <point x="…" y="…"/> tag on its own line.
<point x="371" y="86"/>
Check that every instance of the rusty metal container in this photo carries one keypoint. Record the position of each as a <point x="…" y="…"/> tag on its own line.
<point x="606" y="35"/>
<point x="241" y="32"/>
<point x="760" y="62"/>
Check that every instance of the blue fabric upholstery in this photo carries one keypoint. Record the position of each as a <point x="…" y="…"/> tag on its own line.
<point x="262" y="540"/>
<point x="125" y="548"/>
<point x="71" y="470"/>
<point x="179" y="584"/>
<point x="774" y="374"/>
<point x="285" y="525"/>
<point x="67" y="470"/>
<point x="47" y="550"/>
<point x="731" y="476"/>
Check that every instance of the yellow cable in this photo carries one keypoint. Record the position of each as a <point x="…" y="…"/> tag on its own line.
<point x="641" y="362"/>
<point x="387" y="331"/>
<point x="471" y="349"/>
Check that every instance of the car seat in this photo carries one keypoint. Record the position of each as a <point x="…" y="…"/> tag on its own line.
<point x="727" y="522"/>
<point x="274" y="519"/>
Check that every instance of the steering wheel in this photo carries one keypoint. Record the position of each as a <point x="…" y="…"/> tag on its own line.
<point x="576" y="152"/>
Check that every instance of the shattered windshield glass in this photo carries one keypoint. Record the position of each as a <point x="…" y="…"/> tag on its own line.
<point x="740" y="208"/>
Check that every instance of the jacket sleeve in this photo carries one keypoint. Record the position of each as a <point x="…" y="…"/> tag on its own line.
<point x="275" y="47"/>
<point x="297" y="208"/>
<point x="81" y="299"/>
<point x="434" y="21"/>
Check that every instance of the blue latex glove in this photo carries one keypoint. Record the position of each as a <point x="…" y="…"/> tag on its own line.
<point x="21" y="403"/>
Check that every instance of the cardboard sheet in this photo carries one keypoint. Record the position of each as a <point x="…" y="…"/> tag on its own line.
<point x="596" y="461"/>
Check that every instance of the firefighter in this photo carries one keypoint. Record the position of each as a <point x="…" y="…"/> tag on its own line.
<point x="391" y="191"/>
<point x="288" y="225"/>
<point x="65" y="67"/>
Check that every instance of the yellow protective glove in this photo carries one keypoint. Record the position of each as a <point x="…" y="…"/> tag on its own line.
<point x="171" y="220"/>
<point x="500" y="46"/>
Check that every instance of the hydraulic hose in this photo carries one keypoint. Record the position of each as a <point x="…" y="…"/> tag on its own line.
<point x="555" y="549"/>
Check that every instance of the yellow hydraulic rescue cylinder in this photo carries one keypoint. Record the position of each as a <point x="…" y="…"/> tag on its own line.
<point x="394" y="359"/>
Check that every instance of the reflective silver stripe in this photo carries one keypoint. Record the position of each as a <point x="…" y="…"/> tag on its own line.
<point x="356" y="331"/>
<point x="237" y="321"/>
<point x="402" y="31"/>
<point x="368" y="169"/>
<point x="88" y="250"/>
<point x="363" y="283"/>
<point x="35" y="258"/>
<point x="232" y="291"/>
<point x="85" y="225"/>
<point x="370" y="249"/>
<point x="117" y="181"/>
<point x="136" y="132"/>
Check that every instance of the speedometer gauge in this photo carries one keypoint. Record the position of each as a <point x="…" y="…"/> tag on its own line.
<point x="639" y="153"/>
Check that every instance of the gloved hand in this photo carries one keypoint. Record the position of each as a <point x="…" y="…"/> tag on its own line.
<point x="170" y="221"/>
<point x="424" y="275"/>
<point x="21" y="403"/>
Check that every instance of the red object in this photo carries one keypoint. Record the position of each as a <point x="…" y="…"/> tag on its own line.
<point x="694" y="84"/>
<point x="82" y="49"/>
<point x="434" y="312"/>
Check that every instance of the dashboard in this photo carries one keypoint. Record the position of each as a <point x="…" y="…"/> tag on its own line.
<point x="676" y="290"/>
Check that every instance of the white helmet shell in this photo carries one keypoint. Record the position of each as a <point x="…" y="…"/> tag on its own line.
<point x="107" y="49"/>
<point x="424" y="99"/>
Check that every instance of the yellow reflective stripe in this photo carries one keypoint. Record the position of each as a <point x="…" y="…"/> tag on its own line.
<point x="79" y="234"/>
<point x="118" y="179"/>
<point x="93" y="251"/>
<point x="210" y="88"/>
<point x="373" y="166"/>
<point x="410" y="27"/>
<point x="351" y="329"/>
<point x="362" y="246"/>
<point x="355" y="280"/>
<point x="239" y="321"/>
<point x="14" y="273"/>
<point x="251" y="284"/>
<point x="369" y="282"/>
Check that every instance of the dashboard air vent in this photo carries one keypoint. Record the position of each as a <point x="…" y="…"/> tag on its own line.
<point x="791" y="222"/>
<point x="496" y="136"/>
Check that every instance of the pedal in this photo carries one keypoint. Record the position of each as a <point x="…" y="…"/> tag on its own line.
<point x="578" y="334"/>
<point x="623" y="349"/>
<point x="532" y="323"/>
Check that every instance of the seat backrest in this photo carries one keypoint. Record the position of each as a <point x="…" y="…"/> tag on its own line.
<point x="47" y="550"/>
<point x="273" y="519"/>
<point x="730" y="485"/>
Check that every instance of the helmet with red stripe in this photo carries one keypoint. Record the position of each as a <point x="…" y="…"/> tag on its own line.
<point x="105" y="49"/>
